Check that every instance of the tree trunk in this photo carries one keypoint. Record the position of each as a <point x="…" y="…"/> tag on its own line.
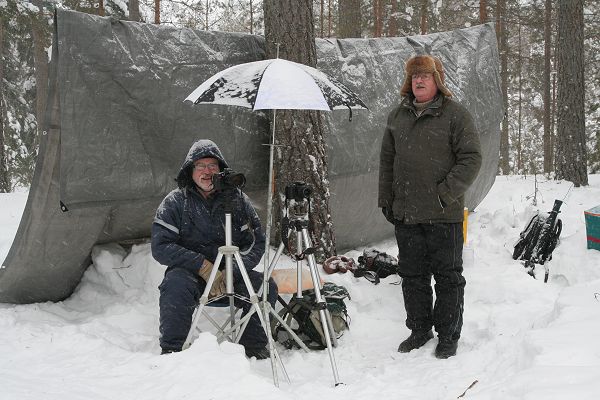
<point x="503" y="50"/>
<point x="553" y="114"/>
<point x="4" y="177"/>
<point x="206" y="15"/>
<point x="349" y="21"/>
<point x="322" y="19"/>
<point x="519" y="169"/>
<point x="378" y="18"/>
<point x="328" y="18"/>
<point x="134" y="10"/>
<point x="40" y="62"/>
<point x="424" y="7"/>
<point x="571" y="153"/>
<point x="483" y="17"/>
<point x="300" y="134"/>
<point x="393" y="22"/>
<point x="251" y="18"/>
<point x="157" y="12"/>
<point x="101" y="11"/>
<point x="547" y="82"/>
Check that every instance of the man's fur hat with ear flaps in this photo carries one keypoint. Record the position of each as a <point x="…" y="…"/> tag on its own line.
<point x="422" y="65"/>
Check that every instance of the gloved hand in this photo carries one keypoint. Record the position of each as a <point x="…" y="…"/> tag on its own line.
<point x="388" y="214"/>
<point x="218" y="287"/>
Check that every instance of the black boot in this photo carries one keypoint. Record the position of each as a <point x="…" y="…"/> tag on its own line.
<point x="261" y="353"/>
<point x="446" y="348"/>
<point x="415" y="340"/>
<point x="169" y="351"/>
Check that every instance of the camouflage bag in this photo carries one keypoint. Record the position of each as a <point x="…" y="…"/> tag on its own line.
<point x="302" y="315"/>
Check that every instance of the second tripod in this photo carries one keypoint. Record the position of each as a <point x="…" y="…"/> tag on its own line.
<point x="297" y="197"/>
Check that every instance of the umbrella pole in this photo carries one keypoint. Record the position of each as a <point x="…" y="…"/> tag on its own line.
<point x="267" y="258"/>
<point x="269" y="200"/>
<point x="266" y="262"/>
<point x="269" y="209"/>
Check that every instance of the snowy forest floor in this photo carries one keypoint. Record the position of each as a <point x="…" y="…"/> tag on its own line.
<point x="522" y="339"/>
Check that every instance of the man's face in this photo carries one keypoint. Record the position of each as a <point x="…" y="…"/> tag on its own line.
<point x="424" y="87"/>
<point x="203" y="171"/>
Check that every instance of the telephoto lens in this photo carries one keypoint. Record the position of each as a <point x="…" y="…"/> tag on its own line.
<point x="227" y="179"/>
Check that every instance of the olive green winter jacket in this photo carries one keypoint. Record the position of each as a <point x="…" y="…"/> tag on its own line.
<point x="427" y="163"/>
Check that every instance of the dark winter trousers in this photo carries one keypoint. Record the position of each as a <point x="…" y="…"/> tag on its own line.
<point x="180" y="293"/>
<point x="426" y="250"/>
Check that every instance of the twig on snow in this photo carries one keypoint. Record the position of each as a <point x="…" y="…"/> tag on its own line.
<point x="470" y="386"/>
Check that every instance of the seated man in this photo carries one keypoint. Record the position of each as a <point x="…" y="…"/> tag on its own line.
<point x="187" y="232"/>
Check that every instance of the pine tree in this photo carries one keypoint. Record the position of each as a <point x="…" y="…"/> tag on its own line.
<point x="571" y="152"/>
<point x="349" y="22"/>
<point x="302" y="155"/>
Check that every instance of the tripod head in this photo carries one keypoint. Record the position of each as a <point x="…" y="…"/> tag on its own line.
<point x="298" y="191"/>
<point x="297" y="200"/>
<point x="227" y="182"/>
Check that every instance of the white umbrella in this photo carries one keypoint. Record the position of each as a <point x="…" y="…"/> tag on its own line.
<point x="275" y="84"/>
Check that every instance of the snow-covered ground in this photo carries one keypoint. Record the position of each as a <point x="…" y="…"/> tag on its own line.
<point x="522" y="339"/>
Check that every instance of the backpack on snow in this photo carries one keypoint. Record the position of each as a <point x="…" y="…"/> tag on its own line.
<point x="302" y="315"/>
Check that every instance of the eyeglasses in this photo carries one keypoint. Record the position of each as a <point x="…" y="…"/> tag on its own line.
<point x="424" y="76"/>
<point x="212" y="167"/>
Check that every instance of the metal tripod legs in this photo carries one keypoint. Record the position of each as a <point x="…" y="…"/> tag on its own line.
<point x="232" y="252"/>
<point x="303" y="242"/>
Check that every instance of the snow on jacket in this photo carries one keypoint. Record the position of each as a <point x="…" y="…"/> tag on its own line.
<point x="188" y="228"/>
<point x="428" y="162"/>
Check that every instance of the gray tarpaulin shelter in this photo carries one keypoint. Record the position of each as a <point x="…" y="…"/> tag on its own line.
<point x="117" y="131"/>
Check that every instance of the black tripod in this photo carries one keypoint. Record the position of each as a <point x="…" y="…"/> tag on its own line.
<point x="233" y="333"/>
<point x="297" y="197"/>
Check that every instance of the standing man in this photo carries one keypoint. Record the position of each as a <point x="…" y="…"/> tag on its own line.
<point x="187" y="232"/>
<point x="430" y="155"/>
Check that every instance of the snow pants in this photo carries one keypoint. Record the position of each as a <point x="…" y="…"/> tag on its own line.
<point x="426" y="250"/>
<point x="180" y="293"/>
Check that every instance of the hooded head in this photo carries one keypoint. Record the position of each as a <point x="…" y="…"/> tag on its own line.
<point x="422" y="65"/>
<point x="203" y="148"/>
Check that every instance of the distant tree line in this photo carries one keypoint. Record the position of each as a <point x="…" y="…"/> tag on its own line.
<point x="549" y="57"/>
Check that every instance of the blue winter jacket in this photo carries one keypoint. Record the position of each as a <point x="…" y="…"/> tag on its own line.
<point x="188" y="228"/>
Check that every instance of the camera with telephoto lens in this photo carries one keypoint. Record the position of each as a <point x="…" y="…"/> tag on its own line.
<point x="298" y="191"/>
<point x="227" y="179"/>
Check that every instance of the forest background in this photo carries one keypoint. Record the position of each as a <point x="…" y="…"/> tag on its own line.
<point x="527" y="31"/>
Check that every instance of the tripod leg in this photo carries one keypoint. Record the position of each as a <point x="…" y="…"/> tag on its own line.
<point x="270" y="271"/>
<point x="221" y="329"/>
<point x="203" y="301"/>
<point x="299" y="264"/>
<point x="276" y="258"/>
<point x="323" y="312"/>
<point x="270" y="310"/>
<point x="266" y="307"/>
<point x="289" y="330"/>
<point x="256" y="308"/>
<point x="231" y="310"/>
<point x="317" y="284"/>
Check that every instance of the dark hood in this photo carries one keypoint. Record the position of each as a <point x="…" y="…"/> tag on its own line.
<point x="201" y="149"/>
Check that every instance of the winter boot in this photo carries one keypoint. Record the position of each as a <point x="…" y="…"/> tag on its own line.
<point x="446" y="348"/>
<point x="415" y="340"/>
<point x="261" y="353"/>
<point x="168" y="351"/>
